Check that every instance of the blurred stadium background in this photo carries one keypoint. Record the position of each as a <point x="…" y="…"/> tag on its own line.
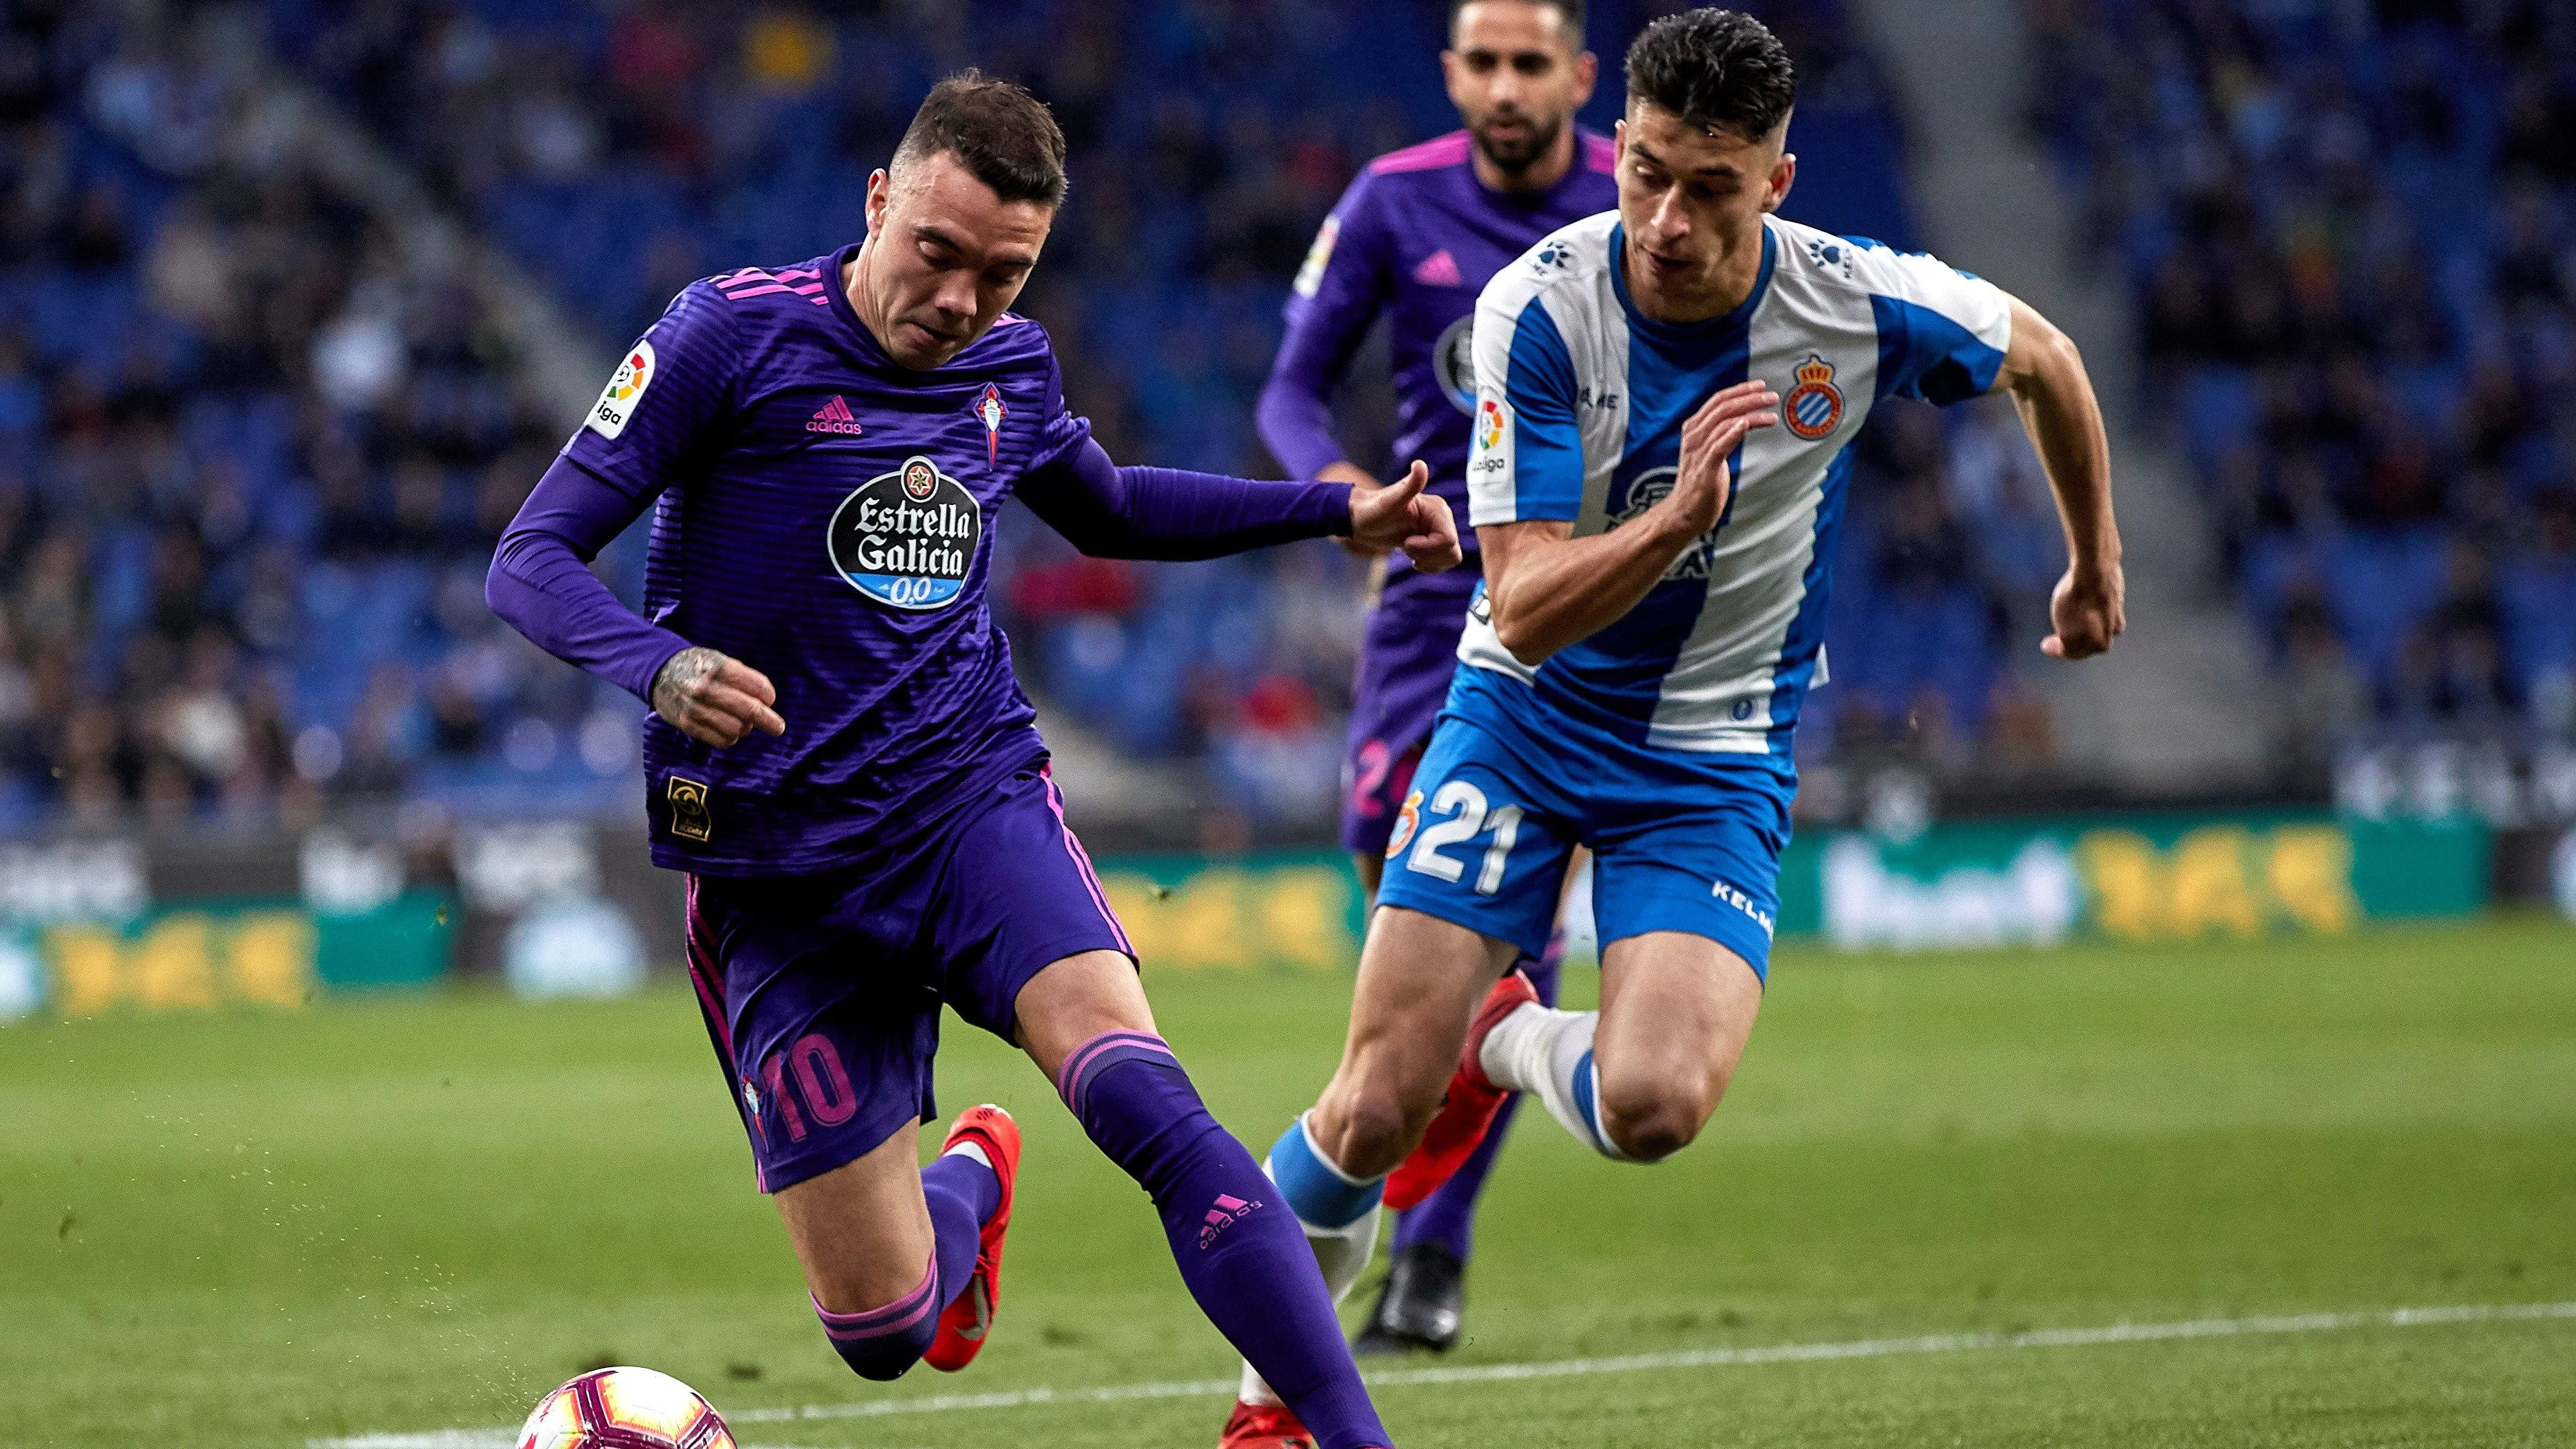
<point x="298" y="297"/>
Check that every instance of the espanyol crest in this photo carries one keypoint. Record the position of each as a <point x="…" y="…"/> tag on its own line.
<point x="1813" y="408"/>
<point x="907" y="538"/>
<point x="1410" y="816"/>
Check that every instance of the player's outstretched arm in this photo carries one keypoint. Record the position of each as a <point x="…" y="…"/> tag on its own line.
<point x="542" y="586"/>
<point x="1165" y="513"/>
<point x="2045" y="375"/>
<point x="1548" y="589"/>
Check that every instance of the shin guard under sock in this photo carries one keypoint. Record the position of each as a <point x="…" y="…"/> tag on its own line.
<point x="1238" y="1247"/>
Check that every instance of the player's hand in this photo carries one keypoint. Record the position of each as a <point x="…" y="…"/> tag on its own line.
<point x="1705" y="481"/>
<point x="1401" y="515"/>
<point x="2088" y="611"/>
<point x="1345" y="471"/>
<point x="719" y="700"/>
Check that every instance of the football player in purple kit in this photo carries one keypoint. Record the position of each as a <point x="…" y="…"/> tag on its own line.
<point x="1416" y="238"/>
<point x="841" y="761"/>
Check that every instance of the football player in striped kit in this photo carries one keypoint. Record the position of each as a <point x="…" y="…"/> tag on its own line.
<point x="1664" y="396"/>
<point x="1414" y="239"/>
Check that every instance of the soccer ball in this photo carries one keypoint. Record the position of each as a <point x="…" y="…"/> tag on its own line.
<point x="625" y="1408"/>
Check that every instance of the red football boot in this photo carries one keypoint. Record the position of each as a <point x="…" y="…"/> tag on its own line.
<point x="964" y="1322"/>
<point x="1467" y="1109"/>
<point x="1264" y="1426"/>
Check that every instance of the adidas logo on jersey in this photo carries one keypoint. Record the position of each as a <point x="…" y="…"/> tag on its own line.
<point x="834" y="417"/>
<point x="1440" y="270"/>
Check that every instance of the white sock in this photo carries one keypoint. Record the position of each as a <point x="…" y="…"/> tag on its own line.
<point x="1343" y="1253"/>
<point x="1549" y="1053"/>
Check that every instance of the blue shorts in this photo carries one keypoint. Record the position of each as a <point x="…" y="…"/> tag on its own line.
<point x="822" y="992"/>
<point x="1688" y="844"/>
<point x="1406" y="660"/>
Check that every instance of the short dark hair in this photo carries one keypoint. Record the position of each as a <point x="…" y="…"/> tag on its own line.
<point x="1571" y="10"/>
<point x="1716" y="69"/>
<point x="1005" y="137"/>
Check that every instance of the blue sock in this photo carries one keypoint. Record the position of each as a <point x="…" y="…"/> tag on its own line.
<point x="1244" y="1258"/>
<point x="883" y="1343"/>
<point x="1448" y="1216"/>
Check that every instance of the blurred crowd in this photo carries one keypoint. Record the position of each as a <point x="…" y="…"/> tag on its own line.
<point x="257" y="435"/>
<point x="229" y="399"/>
<point x="2351" y="227"/>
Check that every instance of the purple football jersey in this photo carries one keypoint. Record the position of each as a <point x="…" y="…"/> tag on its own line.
<point x="825" y="517"/>
<point x="1416" y="237"/>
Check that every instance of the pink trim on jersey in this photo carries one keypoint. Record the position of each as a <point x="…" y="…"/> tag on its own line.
<point x="1601" y="154"/>
<point x="805" y="282"/>
<point x="809" y="290"/>
<point x="1431" y="155"/>
<point x="1082" y="861"/>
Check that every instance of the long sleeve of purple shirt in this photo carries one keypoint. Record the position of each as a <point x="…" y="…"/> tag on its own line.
<point x="1336" y="299"/>
<point x="541" y="583"/>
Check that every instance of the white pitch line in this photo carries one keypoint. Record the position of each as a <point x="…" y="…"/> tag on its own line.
<point x="1585" y="1367"/>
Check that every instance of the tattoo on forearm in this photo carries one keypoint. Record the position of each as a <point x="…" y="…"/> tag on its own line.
<point x="680" y="674"/>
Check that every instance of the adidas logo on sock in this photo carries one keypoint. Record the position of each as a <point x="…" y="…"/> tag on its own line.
<point x="1228" y="1211"/>
<point x="834" y="417"/>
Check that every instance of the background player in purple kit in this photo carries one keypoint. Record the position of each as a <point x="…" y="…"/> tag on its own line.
<point x="844" y="765"/>
<point x="1415" y="239"/>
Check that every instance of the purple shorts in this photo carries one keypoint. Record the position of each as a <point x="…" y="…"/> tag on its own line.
<point x="1406" y="660"/>
<point x="822" y="992"/>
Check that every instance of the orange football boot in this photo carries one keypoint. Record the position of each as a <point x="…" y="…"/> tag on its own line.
<point x="1264" y="1426"/>
<point x="965" y="1321"/>
<point x="1467" y="1109"/>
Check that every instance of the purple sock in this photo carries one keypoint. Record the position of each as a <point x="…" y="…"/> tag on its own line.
<point x="1448" y="1216"/>
<point x="1239" y="1249"/>
<point x="883" y="1343"/>
<point x="962" y="1193"/>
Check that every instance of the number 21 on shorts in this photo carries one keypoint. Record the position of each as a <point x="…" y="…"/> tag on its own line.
<point x="1468" y="817"/>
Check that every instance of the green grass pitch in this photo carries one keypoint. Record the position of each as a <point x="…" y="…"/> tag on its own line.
<point x="396" y="1216"/>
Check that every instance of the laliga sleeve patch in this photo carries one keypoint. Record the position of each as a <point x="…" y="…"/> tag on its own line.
<point x="635" y="372"/>
<point x="1311" y="275"/>
<point x="1490" y="449"/>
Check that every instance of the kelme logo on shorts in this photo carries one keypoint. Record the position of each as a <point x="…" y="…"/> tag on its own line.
<point x="907" y="538"/>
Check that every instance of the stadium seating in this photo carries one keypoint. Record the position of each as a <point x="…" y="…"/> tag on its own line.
<point x="279" y="509"/>
<point x="2349" y="228"/>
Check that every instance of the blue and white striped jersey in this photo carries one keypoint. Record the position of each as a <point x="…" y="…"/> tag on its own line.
<point x="1580" y="406"/>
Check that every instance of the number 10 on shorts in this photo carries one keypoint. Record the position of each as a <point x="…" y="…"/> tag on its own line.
<point x="1468" y="817"/>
